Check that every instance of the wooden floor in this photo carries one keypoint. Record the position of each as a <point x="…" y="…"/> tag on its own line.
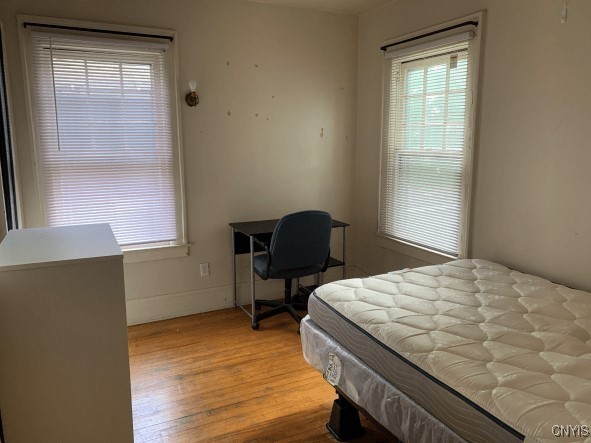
<point x="210" y="377"/>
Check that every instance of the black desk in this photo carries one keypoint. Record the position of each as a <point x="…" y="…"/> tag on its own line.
<point x="243" y="235"/>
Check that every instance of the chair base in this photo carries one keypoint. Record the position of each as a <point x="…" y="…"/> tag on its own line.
<point x="277" y="307"/>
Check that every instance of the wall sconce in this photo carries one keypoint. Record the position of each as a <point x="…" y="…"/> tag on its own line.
<point x="192" y="98"/>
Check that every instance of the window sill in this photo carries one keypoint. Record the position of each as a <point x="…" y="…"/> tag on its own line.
<point x="410" y="250"/>
<point x="155" y="253"/>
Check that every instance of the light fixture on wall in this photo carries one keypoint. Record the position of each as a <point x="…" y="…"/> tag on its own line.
<point x="564" y="13"/>
<point x="192" y="98"/>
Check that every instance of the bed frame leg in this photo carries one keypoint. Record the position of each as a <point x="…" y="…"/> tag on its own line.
<point x="344" y="421"/>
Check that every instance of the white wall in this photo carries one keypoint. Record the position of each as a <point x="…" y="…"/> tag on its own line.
<point x="531" y="205"/>
<point x="532" y="199"/>
<point x="284" y="75"/>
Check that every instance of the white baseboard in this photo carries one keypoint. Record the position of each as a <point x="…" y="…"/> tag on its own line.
<point x="161" y="307"/>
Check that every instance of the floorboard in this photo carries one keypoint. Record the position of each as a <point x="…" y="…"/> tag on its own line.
<point x="210" y="377"/>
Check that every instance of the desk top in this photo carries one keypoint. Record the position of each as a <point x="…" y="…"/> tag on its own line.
<point x="267" y="226"/>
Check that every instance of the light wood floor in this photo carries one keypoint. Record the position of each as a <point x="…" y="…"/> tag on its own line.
<point x="210" y="377"/>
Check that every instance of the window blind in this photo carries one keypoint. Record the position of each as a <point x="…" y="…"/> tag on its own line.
<point x="104" y="135"/>
<point x="426" y="137"/>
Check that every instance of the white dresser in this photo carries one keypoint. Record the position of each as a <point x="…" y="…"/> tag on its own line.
<point x="64" y="364"/>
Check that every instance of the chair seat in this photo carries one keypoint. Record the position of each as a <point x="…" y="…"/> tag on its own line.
<point x="260" y="267"/>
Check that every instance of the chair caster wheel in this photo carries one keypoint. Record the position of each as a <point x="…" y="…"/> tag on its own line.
<point x="255" y="325"/>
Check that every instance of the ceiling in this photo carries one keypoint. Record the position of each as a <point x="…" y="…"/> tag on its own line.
<point x="339" y="6"/>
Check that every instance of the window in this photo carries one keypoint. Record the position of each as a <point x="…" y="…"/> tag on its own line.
<point x="427" y="142"/>
<point x="105" y="130"/>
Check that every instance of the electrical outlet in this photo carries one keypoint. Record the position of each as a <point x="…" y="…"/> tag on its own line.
<point x="204" y="269"/>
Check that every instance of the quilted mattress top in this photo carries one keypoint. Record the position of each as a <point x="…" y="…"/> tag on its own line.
<point x="517" y="345"/>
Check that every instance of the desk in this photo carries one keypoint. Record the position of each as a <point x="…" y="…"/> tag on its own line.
<point x="243" y="235"/>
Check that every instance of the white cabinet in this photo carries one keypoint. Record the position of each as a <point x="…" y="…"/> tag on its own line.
<point x="64" y="364"/>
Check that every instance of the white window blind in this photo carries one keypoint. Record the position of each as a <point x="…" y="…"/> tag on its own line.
<point x="105" y="143"/>
<point x="426" y="140"/>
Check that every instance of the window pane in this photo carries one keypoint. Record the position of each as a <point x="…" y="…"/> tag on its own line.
<point x="106" y="137"/>
<point x="436" y="78"/>
<point x="433" y="137"/>
<point x="456" y="110"/>
<point x="458" y="75"/>
<point x="414" y="82"/>
<point x="414" y="109"/>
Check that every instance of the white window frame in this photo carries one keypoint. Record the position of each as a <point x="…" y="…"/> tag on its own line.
<point x="410" y="249"/>
<point x="131" y="253"/>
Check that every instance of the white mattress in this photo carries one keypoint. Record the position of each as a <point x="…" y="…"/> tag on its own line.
<point x="516" y="345"/>
<point x="389" y="406"/>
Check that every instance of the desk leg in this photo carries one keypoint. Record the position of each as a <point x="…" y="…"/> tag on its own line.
<point x="234" y="268"/>
<point x="344" y="252"/>
<point x="255" y="323"/>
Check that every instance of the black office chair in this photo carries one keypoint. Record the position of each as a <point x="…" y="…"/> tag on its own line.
<point x="300" y="246"/>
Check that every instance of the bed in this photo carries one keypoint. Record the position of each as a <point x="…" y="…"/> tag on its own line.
<point x="464" y="351"/>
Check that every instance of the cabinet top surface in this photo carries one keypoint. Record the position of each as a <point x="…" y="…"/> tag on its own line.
<point x="25" y="248"/>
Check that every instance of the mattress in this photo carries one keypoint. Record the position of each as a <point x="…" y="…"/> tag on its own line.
<point x="406" y="420"/>
<point x="495" y="354"/>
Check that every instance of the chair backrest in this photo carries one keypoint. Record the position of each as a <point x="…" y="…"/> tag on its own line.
<point x="301" y="240"/>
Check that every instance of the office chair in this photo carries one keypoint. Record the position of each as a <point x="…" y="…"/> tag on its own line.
<point x="300" y="246"/>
